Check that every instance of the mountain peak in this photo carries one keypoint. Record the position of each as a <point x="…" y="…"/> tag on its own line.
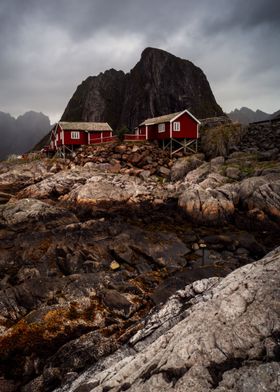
<point x="160" y="83"/>
<point x="149" y="51"/>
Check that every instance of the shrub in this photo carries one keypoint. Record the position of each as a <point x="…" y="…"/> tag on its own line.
<point x="219" y="140"/>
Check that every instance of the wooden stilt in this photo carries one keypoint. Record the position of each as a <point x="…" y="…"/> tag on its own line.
<point x="185" y="145"/>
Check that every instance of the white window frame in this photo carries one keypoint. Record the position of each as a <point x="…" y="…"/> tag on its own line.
<point x="176" y="126"/>
<point x="75" y="135"/>
<point x="161" y="128"/>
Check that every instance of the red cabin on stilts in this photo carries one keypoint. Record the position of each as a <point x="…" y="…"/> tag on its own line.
<point x="68" y="135"/>
<point x="176" y="131"/>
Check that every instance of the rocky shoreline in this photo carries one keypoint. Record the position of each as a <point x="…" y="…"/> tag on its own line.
<point x="92" y="244"/>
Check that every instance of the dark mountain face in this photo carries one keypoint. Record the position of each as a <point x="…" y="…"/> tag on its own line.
<point x="160" y="83"/>
<point x="245" y="115"/>
<point x="98" y="98"/>
<point x="19" y="135"/>
<point x="275" y="115"/>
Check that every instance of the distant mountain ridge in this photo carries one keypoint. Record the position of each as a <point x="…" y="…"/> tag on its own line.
<point x="18" y="135"/>
<point x="160" y="83"/>
<point x="245" y="115"/>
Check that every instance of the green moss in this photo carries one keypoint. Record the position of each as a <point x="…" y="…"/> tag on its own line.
<point x="248" y="171"/>
<point x="217" y="141"/>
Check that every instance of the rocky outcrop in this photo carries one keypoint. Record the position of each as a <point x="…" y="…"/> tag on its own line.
<point x="14" y="177"/>
<point x="212" y="335"/>
<point x="184" y="165"/>
<point x="90" y="245"/>
<point x="33" y="212"/>
<point x="113" y="188"/>
<point x="82" y="285"/>
<point x="262" y="138"/>
<point x="215" y="192"/>
<point x="125" y="158"/>
<point x="160" y="83"/>
<point x="57" y="184"/>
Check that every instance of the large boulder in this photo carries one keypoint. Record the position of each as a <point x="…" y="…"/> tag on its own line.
<point x="208" y="206"/>
<point x="107" y="189"/>
<point x="56" y="185"/>
<point x="207" y="196"/>
<point x="33" y="214"/>
<point x="262" y="193"/>
<point x="17" y="176"/>
<point x="184" y="165"/>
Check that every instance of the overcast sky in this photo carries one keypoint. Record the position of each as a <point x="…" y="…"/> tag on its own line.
<point x="48" y="47"/>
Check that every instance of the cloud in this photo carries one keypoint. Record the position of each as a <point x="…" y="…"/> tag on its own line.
<point x="49" y="47"/>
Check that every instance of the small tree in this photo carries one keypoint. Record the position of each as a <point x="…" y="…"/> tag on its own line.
<point x="121" y="132"/>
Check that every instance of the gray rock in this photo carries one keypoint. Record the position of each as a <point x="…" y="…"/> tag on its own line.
<point x="21" y="175"/>
<point x="164" y="171"/>
<point x="217" y="161"/>
<point x="145" y="174"/>
<point x="208" y="205"/>
<point x="32" y="211"/>
<point x="262" y="193"/>
<point x="184" y="165"/>
<point x="233" y="172"/>
<point x="206" y="196"/>
<point x="107" y="188"/>
<point x="57" y="185"/>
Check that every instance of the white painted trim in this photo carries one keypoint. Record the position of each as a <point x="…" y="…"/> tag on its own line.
<point x="197" y="131"/>
<point x="146" y="132"/>
<point x="185" y="111"/>
<point x="88" y="138"/>
<point x="62" y="136"/>
<point x="74" y="134"/>
<point x="173" y="128"/>
<point x="101" y="137"/>
<point x="55" y="133"/>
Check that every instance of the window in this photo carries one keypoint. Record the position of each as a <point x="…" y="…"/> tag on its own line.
<point x="176" y="126"/>
<point x="161" y="127"/>
<point x="75" y="135"/>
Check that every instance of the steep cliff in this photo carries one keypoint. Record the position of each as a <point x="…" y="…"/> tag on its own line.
<point x="98" y="98"/>
<point x="159" y="83"/>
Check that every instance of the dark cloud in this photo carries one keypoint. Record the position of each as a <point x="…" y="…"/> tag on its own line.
<point x="48" y="47"/>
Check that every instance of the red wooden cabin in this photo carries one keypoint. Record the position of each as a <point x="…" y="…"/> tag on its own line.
<point x="71" y="134"/>
<point x="173" y="130"/>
